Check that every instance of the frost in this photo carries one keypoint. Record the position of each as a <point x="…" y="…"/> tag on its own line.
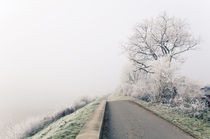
<point x="165" y="86"/>
<point x="35" y="124"/>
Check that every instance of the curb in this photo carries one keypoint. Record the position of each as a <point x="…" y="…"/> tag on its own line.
<point x="179" y="127"/>
<point x="93" y="128"/>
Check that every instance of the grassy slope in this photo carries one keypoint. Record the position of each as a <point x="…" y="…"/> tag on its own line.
<point x="198" y="128"/>
<point x="68" y="126"/>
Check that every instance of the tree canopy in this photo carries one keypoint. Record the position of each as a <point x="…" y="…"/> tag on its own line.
<point x="159" y="37"/>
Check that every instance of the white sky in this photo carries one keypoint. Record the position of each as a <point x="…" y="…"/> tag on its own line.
<point x="52" y="51"/>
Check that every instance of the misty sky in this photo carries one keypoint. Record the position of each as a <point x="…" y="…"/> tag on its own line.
<point x="53" y="51"/>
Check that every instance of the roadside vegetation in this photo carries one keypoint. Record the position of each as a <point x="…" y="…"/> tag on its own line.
<point x="33" y="127"/>
<point x="156" y="51"/>
<point x="68" y="126"/>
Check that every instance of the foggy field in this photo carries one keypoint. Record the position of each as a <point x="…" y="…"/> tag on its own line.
<point x="52" y="53"/>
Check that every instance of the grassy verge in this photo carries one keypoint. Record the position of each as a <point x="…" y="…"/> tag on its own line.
<point x="198" y="128"/>
<point x="68" y="126"/>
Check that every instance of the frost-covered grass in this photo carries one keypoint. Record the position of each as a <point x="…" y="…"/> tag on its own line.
<point x="68" y="126"/>
<point x="34" y="125"/>
<point x="198" y="127"/>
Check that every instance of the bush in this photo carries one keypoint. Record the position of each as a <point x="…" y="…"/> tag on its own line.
<point x="165" y="87"/>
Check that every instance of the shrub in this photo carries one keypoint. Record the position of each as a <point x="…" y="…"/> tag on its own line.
<point x="166" y="87"/>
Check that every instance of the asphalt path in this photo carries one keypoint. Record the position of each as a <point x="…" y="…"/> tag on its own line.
<point x="127" y="120"/>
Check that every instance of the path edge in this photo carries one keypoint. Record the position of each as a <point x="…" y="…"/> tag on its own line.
<point x="93" y="128"/>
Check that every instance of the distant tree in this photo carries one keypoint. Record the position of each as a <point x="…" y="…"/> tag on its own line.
<point x="159" y="37"/>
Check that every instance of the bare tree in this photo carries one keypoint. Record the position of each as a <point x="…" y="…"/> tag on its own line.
<point x="159" y="37"/>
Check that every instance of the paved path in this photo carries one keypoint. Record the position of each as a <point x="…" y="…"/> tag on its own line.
<point x="126" y="120"/>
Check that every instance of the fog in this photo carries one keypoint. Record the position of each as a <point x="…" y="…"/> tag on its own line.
<point x="52" y="52"/>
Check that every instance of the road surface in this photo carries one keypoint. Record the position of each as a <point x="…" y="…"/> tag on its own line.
<point x="127" y="120"/>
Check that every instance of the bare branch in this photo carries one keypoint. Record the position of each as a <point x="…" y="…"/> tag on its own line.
<point x="187" y="49"/>
<point x="161" y="37"/>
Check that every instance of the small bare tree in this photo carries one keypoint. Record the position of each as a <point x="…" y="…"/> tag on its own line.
<point x="159" y="37"/>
